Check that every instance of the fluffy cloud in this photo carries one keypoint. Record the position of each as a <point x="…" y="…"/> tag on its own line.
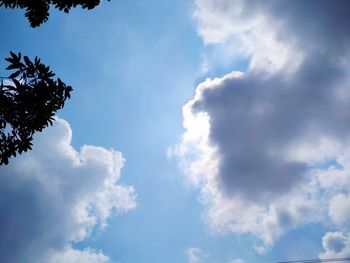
<point x="336" y="245"/>
<point x="269" y="148"/>
<point x="54" y="196"/>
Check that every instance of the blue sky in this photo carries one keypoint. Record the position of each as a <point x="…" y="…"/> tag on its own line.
<point x="134" y="65"/>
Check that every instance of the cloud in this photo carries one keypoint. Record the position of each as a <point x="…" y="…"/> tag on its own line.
<point x="339" y="209"/>
<point x="336" y="245"/>
<point x="268" y="31"/>
<point x="262" y="145"/>
<point x="237" y="261"/>
<point x="195" y="255"/>
<point x="71" y="255"/>
<point x="54" y="196"/>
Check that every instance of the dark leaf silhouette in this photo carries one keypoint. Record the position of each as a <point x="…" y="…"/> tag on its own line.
<point x="37" y="11"/>
<point x="29" y="99"/>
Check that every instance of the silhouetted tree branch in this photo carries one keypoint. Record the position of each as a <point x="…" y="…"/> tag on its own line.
<point x="29" y="99"/>
<point x="37" y="11"/>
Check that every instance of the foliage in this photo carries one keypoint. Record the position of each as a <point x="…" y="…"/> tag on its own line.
<point x="37" y="11"/>
<point x="29" y="98"/>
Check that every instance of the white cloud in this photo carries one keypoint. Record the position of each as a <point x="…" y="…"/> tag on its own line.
<point x="339" y="209"/>
<point x="247" y="29"/>
<point x="54" y="196"/>
<point x="237" y="261"/>
<point x="269" y="148"/>
<point x="335" y="245"/>
<point x="71" y="255"/>
<point x="195" y="255"/>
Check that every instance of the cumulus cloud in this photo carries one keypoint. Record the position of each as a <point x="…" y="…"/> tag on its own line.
<point x="335" y="245"/>
<point x="269" y="148"/>
<point x="54" y="196"/>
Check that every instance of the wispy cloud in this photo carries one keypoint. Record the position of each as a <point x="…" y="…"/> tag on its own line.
<point x="195" y="255"/>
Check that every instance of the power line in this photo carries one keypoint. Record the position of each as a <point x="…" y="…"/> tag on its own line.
<point x="317" y="260"/>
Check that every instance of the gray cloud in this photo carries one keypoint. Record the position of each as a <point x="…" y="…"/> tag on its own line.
<point x="53" y="196"/>
<point x="255" y="118"/>
<point x="319" y="23"/>
<point x="254" y="121"/>
<point x="262" y="145"/>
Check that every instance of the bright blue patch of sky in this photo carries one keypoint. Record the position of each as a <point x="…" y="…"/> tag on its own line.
<point x="305" y="242"/>
<point x="219" y="60"/>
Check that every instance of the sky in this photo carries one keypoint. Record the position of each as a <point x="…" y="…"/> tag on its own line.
<point x="199" y="131"/>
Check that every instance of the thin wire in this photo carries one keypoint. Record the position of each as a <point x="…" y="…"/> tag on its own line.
<point x="317" y="260"/>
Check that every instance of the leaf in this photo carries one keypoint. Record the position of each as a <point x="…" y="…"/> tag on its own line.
<point x="15" y="74"/>
<point x="13" y="55"/>
<point x="27" y="61"/>
<point x="11" y="67"/>
<point x="11" y="60"/>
